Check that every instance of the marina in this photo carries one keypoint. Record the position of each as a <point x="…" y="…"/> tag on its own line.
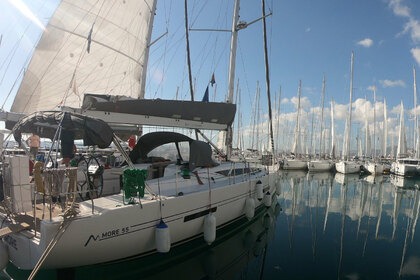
<point x="114" y="166"/>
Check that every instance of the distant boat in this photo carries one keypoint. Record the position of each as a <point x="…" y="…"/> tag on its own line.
<point x="374" y="166"/>
<point x="295" y="161"/>
<point x="404" y="165"/>
<point x="346" y="165"/>
<point x="321" y="164"/>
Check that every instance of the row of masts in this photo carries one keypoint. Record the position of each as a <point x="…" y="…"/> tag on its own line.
<point x="321" y="141"/>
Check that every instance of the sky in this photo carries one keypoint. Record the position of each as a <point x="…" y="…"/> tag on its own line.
<point x="307" y="40"/>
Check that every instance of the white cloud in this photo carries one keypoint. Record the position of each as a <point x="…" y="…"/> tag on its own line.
<point x="399" y="9"/>
<point x="391" y="83"/>
<point x="367" y="43"/>
<point x="285" y="101"/>
<point x="416" y="54"/>
<point x="371" y="88"/>
<point x="304" y="102"/>
<point x="413" y="27"/>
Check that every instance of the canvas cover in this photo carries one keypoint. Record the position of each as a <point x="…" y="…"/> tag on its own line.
<point x="45" y="124"/>
<point x="206" y="112"/>
<point x="200" y="152"/>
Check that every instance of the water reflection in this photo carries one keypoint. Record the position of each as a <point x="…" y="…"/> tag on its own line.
<point x="347" y="226"/>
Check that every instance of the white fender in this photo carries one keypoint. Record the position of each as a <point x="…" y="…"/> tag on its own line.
<point x="162" y="237"/>
<point x="259" y="190"/>
<point x="209" y="228"/>
<point x="267" y="199"/>
<point x="4" y="255"/>
<point x="249" y="208"/>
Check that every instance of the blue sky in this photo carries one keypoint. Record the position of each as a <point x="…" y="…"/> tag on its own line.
<point x="307" y="40"/>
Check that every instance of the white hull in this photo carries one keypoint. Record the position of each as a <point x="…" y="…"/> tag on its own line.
<point x="320" y="165"/>
<point x="294" y="164"/>
<point x="374" y="168"/>
<point x="115" y="231"/>
<point x="406" y="167"/>
<point x="347" y="167"/>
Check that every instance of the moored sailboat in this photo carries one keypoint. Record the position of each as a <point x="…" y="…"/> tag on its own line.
<point x="346" y="165"/>
<point x="163" y="204"/>
<point x="404" y="165"/>
<point x="296" y="161"/>
<point x="374" y="166"/>
<point x="321" y="164"/>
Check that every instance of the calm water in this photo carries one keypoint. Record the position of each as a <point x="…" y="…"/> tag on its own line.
<point x="324" y="226"/>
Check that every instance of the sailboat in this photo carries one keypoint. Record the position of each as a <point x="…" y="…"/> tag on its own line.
<point x="165" y="203"/>
<point x="296" y="162"/>
<point x="374" y="166"/>
<point x="321" y="164"/>
<point x="404" y="165"/>
<point x="346" y="165"/>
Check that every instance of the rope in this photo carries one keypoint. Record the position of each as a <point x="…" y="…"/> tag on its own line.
<point x="68" y="216"/>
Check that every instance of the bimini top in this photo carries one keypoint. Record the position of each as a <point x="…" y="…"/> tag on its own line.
<point x="200" y="152"/>
<point x="45" y="124"/>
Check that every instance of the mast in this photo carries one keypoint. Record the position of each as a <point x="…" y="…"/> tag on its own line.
<point x="416" y="123"/>
<point x="267" y="76"/>
<point x="322" y="118"/>
<point x="231" y="78"/>
<point x="278" y="121"/>
<point x="332" y="153"/>
<point x="296" y="146"/>
<point x="385" y="137"/>
<point x="146" y="52"/>
<point x="402" y="141"/>
<point x="348" y="132"/>
<point x="374" y="123"/>
<point x="188" y="50"/>
<point x="368" y="147"/>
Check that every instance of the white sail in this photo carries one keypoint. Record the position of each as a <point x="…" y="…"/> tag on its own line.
<point x="88" y="46"/>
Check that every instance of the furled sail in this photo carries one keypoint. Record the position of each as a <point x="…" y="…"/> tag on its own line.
<point x="89" y="46"/>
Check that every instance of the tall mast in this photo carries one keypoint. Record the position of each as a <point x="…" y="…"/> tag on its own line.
<point x="385" y="140"/>
<point x="332" y="153"/>
<point x="348" y="132"/>
<point x="296" y="146"/>
<point x="232" y="60"/>
<point x="321" y="133"/>
<point x="416" y="124"/>
<point x="188" y="51"/>
<point x="267" y="77"/>
<point x="146" y="52"/>
<point x="374" y="123"/>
